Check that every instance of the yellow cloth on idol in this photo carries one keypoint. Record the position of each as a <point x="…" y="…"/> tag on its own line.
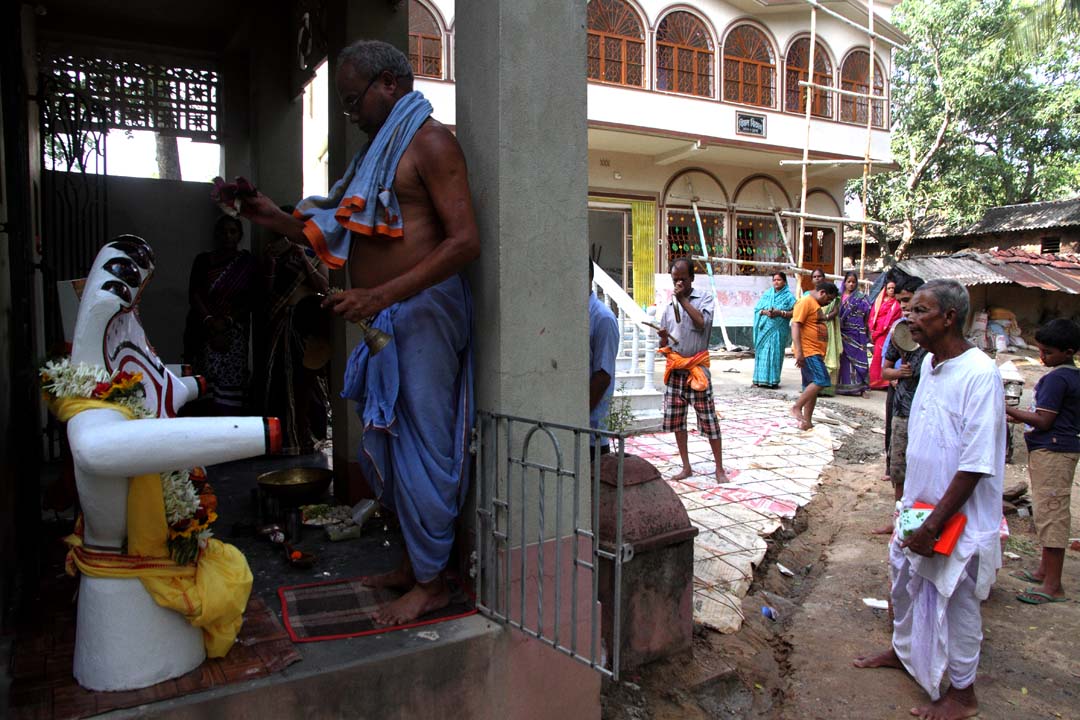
<point x="698" y="379"/>
<point x="211" y="594"/>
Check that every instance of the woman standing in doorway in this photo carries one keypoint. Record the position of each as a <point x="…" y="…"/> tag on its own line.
<point x="886" y="312"/>
<point x="772" y="331"/>
<point x="854" y="335"/>
<point x="222" y="292"/>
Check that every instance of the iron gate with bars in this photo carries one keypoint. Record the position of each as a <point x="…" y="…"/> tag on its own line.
<point x="539" y="569"/>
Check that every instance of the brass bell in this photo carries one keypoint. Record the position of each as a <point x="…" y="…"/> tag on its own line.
<point x="374" y="338"/>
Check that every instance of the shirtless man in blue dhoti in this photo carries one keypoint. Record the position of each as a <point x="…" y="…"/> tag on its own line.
<point x="401" y="221"/>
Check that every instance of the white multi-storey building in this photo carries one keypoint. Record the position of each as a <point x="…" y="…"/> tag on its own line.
<point x="701" y="100"/>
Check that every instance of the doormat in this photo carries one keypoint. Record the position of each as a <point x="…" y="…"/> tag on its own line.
<point x="43" y="687"/>
<point x="343" y="609"/>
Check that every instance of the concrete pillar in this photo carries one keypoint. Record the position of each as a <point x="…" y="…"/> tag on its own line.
<point x="521" y="120"/>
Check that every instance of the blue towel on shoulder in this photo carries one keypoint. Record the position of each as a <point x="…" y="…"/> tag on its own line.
<point x="363" y="200"/>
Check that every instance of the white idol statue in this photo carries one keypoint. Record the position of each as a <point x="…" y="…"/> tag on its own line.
<point x="125" y="637"/>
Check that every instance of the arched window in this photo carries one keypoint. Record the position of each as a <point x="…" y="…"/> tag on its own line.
<point x="855" y="76"/>
<point x="795" y="70"/>
<point x="749" y="67"/>
<point x="425" y="42"/>
<point x="684" y="55"/>
<point x="616" y="44"/>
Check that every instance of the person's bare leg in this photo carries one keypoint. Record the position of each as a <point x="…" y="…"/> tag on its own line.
<point x="400" y="578"/>
<point x="423" y="598"/>
<point x="955" y="704"/>
<point x="717" y="446"/>
<point x="809" y="405"/>
<point x="1050" y="567"/>
<point x="898" y="494"/>
<point x="684" y="455"/>
<point x="886" y="659"/>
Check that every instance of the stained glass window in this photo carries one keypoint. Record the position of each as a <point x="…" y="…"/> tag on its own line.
<point x="684" y="55"/>
<point x="616" y="52"/>
<point x="749" y="68"/>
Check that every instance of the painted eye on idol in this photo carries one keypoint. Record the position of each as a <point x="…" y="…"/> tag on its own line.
<point x="124" y="269"/>
<point x="118" y="289"/>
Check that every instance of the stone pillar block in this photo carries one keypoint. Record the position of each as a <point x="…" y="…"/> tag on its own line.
<point x="656" y="617"/>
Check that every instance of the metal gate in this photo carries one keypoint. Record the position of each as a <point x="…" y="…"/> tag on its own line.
<point x="522" y="469"/>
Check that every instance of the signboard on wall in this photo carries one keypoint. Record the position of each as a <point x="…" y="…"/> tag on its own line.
<point x="750" y="124"/>
<point x="736" y="295"/>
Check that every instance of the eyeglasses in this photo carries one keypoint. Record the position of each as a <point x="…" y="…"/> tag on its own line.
<point x="352" y="105"/>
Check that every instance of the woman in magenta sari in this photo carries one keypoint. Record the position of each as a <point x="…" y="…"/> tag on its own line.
<point x="886" y="312"/>
<point x="854" y="335"/>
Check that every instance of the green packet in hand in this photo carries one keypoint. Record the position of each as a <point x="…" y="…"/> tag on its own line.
<point x="911" y="519"/>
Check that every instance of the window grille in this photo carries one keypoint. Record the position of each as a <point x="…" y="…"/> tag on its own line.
<point x="854" y="76"/>
<point x="795" y="70"/>
<point x="1050" y="246"/>
<point x="425" y="42"/>
<point x="757" y="238"/>
<point x="616" y="51"/>
<point x="684" y="55"/>
<point x="749" y="68"/>
<point x="167" y="99"/>
<point x="683" y="239"/>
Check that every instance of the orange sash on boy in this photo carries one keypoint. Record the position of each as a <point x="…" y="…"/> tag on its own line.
<point x="698" y="379"/>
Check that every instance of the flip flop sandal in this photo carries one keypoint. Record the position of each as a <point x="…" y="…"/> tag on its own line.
<point x="1032" y="596"/>
<point x="1025" y="576"/>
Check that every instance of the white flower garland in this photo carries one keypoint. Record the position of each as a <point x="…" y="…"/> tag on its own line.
<point x="63" y="379"/>
<point x="181" y="500"/>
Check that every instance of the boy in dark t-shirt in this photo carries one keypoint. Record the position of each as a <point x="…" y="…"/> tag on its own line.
<point x="1053" y="442"/>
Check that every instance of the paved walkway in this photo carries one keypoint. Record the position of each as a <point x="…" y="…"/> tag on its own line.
<point x="773" y="467"/>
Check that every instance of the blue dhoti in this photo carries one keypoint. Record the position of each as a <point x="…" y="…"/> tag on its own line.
<point x="415" y="403"/>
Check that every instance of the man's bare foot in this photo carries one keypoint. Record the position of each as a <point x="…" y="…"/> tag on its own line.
<point x="721" y="476"/>
<point x="886" y="659"/>
<point x="883" y="530"/>
<point x="796" y="412"/>
<point x="400" y="578"/>
<point x="806" y="425"/>
<point x="953" y="705"/>
<point x="685" y="473"/>
<point x="422" y="599"/>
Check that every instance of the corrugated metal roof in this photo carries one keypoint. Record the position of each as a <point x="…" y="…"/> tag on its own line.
<point x="1009" y="218"/>
<point x="1056" y="273"/>
<point x="1053" y="273"/>
<point x="1030" y="216"/>
<point x="965" y="269"/>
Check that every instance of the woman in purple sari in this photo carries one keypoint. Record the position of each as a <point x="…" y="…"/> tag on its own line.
<point x="854" y="365"/>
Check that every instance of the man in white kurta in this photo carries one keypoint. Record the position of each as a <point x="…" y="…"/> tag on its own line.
<point x="956" y="459"/>
<point x="957" y="423"/>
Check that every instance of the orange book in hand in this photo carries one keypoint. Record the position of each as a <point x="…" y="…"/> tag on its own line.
<point x="950" y="533"/>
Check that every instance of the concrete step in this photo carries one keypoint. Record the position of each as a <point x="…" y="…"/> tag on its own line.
<point x="629" y="381"/>
<point x="641" y="401"/>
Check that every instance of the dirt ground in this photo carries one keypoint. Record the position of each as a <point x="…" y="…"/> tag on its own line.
<point x="799" y="666"/>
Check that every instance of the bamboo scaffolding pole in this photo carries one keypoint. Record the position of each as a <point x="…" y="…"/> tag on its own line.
<point x="817" y="6"/>
<point x="829" y="162"/>
<point x="868" y="167"/>
<point x="809" y="100"/>
<point x="770" y="263"/>
<point x="838" y="91"/>
<point x="830" y="218"/>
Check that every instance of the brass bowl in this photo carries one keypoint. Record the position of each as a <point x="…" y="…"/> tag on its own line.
<point x="296" y="486"/>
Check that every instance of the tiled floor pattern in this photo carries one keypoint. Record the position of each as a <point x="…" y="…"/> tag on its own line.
<point x="773" y="468"/>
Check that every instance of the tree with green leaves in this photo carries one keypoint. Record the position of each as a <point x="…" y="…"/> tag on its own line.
<point x="975" y="123"/>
